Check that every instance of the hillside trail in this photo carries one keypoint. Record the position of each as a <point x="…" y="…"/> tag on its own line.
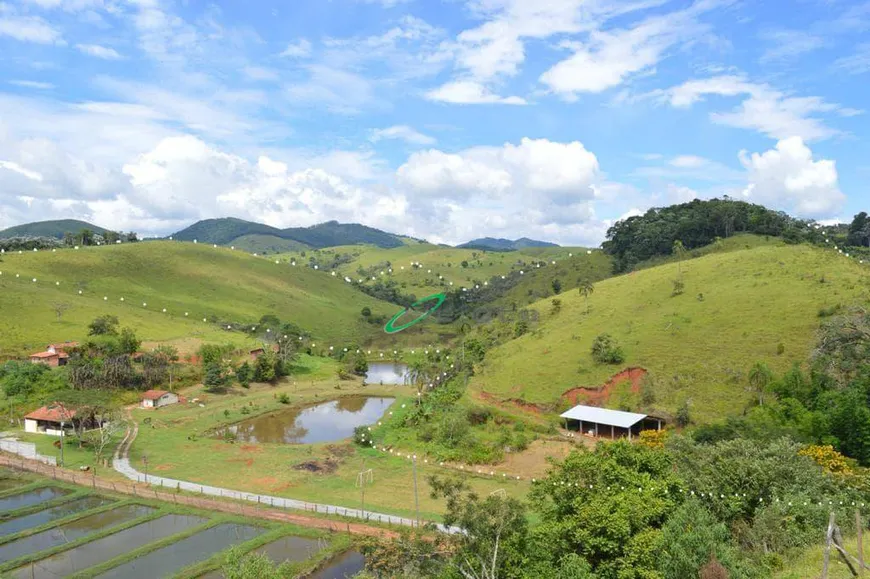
<point x="121" y="463"/>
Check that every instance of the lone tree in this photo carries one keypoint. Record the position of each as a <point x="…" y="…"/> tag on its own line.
<point x="105" y="325"/>
<point x="586" y="288"/>
<point x="59" y="309"/>
<point x="556" y="285"/>
<point x="680" y="251"/>
<point x="760" y="377"/>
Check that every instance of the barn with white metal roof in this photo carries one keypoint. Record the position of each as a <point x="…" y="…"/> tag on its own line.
<point x="595" y="421"/>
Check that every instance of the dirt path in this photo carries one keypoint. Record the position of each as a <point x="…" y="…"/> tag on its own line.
<point x="148" y="492"/>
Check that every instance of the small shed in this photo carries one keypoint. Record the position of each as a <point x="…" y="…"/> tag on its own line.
<point x="49" y="358"/>
<point x="158" y="398"/>
<point x="603" y="422"/>
<point x="53" y="419"/>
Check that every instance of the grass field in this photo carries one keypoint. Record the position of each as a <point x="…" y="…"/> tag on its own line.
<point x="809" y="565"/>
<point x="181" y="277"/>
<point x="737" y="308"/>
<point x="435" y="261"/>
<point x="267" y="468"/>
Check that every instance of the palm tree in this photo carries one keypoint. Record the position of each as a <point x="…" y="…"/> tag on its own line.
<point x="760" y="377"/>
<point x="586" y="288"/>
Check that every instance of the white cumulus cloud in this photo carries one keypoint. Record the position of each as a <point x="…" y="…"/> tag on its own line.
<point x="787" y="177"/>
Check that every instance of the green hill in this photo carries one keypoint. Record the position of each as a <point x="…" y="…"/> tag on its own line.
<point x="499" y="244"/>
<point x="266" y="244"/>
<point x="227" y="230"/>
<point x="737" y="307"/>
<point x="205" y="282"/>
<point x="50" y="229"/>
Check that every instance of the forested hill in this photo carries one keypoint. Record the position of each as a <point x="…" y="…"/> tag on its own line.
<point x="696" y="224"/>
<point x="499" y="244"/>
<point x="226" y="230"/>
<point x="55" y="229"/>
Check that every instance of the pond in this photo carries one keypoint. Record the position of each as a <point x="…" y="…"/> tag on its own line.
<point x="323" y="422"/>
<point x="289" y="548"/>
<point x="344" y="566"/>
<point x="164" y="562"/>
<point x="30" y="498"/>
<point x="93" y="553"/>
<point x="52" y="514"/>
<point x="387" y="373"/>
<point x="65" y="533"/>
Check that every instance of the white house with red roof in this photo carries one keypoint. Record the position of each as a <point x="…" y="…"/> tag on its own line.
<point x="158" y="398"/>
<point x="53" y="419"/>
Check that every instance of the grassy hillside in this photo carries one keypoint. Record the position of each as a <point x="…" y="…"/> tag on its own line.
<point x="435" y="261"/>
<point x="263" y="244"/>
<point x="737" y="307"/>
<point x="49" y="229"/>
<point x="181" y="277"/>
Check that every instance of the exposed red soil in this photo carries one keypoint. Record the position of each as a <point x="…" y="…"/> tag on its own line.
<point x="250" y="448"/>
<point x="599" y="396"/>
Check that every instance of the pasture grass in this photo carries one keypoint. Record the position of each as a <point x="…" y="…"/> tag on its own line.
<point x="214" y="283"/>
<point x="737" y="308"/>
<point x="267" y="468"/>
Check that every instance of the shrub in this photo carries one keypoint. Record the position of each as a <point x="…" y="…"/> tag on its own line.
<point x="245" y="410"/>
<point x="556" y="306"/>
<point x="605" y="350"/>
<point x="520" y="328"/>
<point x="679" y="286"/>
<point x="479" y="415"/>
<point x="283" y="398"/>
<point x="683" y="418"/>
<point x="366" y="312"/>
<point x="780" y="349"/>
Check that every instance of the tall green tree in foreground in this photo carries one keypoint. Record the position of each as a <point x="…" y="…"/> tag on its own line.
<point x="494" y="541"/>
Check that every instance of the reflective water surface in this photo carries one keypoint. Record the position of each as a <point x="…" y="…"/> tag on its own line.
<point x="167" y="560"/>
<point x="386" y="373"/>
<point x="93" y="553"/>
<point x="323" y="422"/>
<point x="30" y="498"/>
<point x="52" y="514"/>
<point x="343" y="566"/>
<point x="291" y="549"/>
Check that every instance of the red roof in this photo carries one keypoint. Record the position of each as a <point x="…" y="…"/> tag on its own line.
<point x="50" y="355"/>
<point x="153" y="394"/>
<point x="52" y="413"/>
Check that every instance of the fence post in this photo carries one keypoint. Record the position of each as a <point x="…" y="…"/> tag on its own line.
<point x="859" y="529"/>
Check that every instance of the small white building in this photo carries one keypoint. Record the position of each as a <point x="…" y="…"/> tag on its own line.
<point x="158" y="398"/>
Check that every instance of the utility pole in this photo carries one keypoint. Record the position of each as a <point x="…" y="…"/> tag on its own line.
<point x="416" y="498"/>
<point x="62" y="434"/>
<point x="362" y="485"/>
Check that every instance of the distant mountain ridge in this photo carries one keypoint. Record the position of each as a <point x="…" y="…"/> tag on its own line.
<point x="55" y="229"/>
<point x="225" y="230"/>
<point x="501" y="244"/>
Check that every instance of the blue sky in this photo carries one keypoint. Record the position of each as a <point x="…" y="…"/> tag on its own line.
<point x="443" y="119"/>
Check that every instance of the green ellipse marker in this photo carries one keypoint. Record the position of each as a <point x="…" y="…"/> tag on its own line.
<point x="390" y="329"/>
